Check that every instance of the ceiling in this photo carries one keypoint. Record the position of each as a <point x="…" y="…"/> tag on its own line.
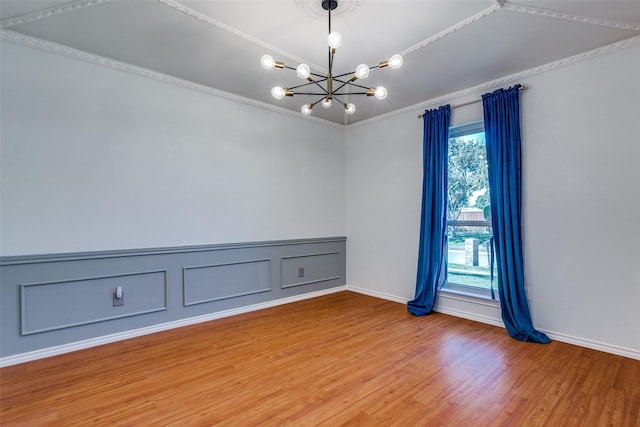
<point x="215" y="46"/>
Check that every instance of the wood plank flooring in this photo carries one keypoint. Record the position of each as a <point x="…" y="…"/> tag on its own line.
<point x="341" y="359"/>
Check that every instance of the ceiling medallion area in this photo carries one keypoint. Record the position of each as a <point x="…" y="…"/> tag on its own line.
<point x="329" y="87"/>
<point x="314" y="8"/>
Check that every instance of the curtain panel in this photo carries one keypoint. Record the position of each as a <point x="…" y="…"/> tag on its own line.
<point x="433" y="220"/>
<point x="502" y="135"/>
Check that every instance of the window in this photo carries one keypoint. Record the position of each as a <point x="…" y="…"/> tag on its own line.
<point x="468" y="212"/>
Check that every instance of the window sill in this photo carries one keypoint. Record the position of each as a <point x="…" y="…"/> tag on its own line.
<point x="468" y="291"/>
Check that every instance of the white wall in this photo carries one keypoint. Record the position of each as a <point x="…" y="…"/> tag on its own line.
<point x="97" y="159"/>
<point x="581" y="165"/>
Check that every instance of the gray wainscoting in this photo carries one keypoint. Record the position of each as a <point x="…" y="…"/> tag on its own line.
<point x="58" y="299"/>
<point x="55" y="305"/>
<point x="234" y="279"/>
<point x="306" y="269"/>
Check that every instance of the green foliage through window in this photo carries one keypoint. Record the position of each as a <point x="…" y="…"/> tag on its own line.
<point x="467" y="174"/>
<point x="468" y="203"/>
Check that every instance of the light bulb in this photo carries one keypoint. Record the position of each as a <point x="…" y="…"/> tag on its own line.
<point x="362" y="71"/>
<point x="267" y="62"/>
<point x="277" y="92"/>
<point x="303" y="71"/>
<point x="326" y="103"/>
<point x="381" y="92"/>
<point x="349" y="108"/>
<point x="334" y="39"/>
<point x="395" y="62"/>
<point x="306" y="109"/>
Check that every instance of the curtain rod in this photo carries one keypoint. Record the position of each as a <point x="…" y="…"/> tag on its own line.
<point x="470" y="102"/>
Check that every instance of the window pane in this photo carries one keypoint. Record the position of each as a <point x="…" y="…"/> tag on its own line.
<point x="469" y="256"/>
<point x="468" y="213"/>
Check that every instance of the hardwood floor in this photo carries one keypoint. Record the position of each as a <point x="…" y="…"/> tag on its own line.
<point x="341" y="359"/>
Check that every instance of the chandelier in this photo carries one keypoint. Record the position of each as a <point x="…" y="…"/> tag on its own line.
<point x="330" y="86"/>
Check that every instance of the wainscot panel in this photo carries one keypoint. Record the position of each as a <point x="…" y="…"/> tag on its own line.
<point x="56" y="305"/>
<point x="312" y="268"/>
<point x="62" y="300"/>
<point x="216" y="282"/>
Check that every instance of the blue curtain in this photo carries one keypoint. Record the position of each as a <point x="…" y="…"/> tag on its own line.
<point x="433" y="222"/>
<point x="502" y="132"/>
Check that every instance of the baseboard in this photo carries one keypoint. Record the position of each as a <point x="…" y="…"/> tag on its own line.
<point x="469" y="316"/>
<point x="594" y="345"/>
<point x="438" y="308"/>
<point x="380" y="295"/>
<point x="94" y="342"/>
<point x="582" y="342"/>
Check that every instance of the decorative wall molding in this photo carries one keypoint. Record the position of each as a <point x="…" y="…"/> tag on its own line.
<point x="171" y="286"/>
<point x="95" y="316"/>
<point x="83" y="256"/>
<point x="504" y="5"/>
<point x="46" y="13"/>
<point x="132" y="69"/>
<point x="244" y="282"/>
<point x="208" y="20"/>
<point x="502" y="81"/>
<point x="303" y="4"/>
<point x="548" y="13"/>
<point x="313" y="263"/>
<point x="94" y="342"/>
<point x="91" y="58"/>
<point x="451" y="29"/>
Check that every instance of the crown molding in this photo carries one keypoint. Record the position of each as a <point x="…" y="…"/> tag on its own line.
<point x="46" y="13"/>
<point x="493" y="84"/>
<point x="451" y="29"/>
<point x="568" y="17"/>
<point x="217" y="24"/>
<point x="81" y="4"/>
<point x="496" y="5"/>
<point x="504" y="5"/>
<point x="48" y="46"/>
<point x="304" y="5"/>
<point x="91" y="58"/>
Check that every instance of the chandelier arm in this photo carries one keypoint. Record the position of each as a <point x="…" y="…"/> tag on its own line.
<point x="373" y="67"/>
<point x="352" y="84"/>
<point x="320" y="86"/>
<point x="345" y="74"/>
<point x="309" y="83"/>
<point x="350" y="93"/>
<point x="340" y="87"/>
<point x="311" y="94"/>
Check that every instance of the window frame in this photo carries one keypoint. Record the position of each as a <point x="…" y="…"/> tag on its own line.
<point x="457" y="288"/>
